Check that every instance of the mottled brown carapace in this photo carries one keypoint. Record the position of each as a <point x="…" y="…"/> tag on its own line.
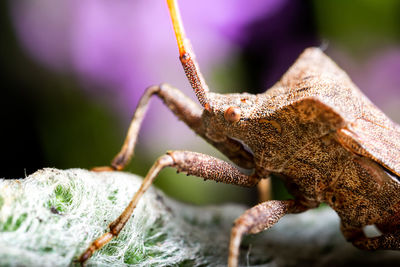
<point x="314" y="129"/>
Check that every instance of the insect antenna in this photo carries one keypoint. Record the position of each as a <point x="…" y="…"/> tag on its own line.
<point x="187" y="57"/>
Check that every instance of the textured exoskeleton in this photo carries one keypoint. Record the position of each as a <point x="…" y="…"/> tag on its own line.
<point x="314" y="129"/>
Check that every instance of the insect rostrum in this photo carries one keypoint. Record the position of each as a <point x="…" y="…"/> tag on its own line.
<point x="314" y="129"/>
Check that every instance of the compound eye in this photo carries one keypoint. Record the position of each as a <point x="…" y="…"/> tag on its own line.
<point x="232" y="114"/>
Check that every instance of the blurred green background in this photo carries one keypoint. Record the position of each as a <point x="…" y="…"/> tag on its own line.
<point x="73" y="73"/>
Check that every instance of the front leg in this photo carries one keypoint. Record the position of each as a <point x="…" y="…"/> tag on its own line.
<point x="257" y="219"/>
<point x="187" y="111"/>
<point x="192" y="163"/>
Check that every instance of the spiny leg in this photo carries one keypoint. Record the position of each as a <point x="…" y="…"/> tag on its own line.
<point x="192" y="163"/>
<point x="257" y="219"/>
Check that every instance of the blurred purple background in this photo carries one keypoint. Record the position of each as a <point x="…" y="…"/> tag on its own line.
<point x="76" y="69"/>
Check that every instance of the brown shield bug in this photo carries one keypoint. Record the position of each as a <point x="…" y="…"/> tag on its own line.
<point x="314" y="128"/>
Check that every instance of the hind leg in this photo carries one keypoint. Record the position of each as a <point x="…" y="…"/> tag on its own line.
<point x="257" y="219"/>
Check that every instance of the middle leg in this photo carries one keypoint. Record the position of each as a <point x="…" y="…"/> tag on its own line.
<point x="192" y="163"/>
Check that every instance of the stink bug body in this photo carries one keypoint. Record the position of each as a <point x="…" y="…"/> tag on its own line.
<point x="314" y="129"/>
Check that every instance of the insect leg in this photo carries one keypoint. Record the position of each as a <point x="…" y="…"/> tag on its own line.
<point x="192" y="163"/>
<point x="188" y="112"/>
<point x="257" y="219"/>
